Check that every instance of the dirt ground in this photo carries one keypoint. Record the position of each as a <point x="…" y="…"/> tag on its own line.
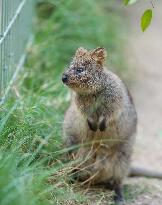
<point x="145" y="50"/>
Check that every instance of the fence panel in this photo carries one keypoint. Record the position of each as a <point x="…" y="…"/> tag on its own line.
<point x="15" y="31"/>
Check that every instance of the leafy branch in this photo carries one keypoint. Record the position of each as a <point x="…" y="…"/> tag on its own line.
<point x="146" y="17"/>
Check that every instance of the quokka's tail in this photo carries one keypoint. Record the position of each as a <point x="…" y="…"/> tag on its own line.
<point x="142" y="172"/>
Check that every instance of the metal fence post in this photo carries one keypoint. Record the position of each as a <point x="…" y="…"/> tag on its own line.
<point x="15" y="31"/>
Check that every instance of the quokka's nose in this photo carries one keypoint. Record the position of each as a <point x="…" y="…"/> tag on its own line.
<point x="64" y="78"/>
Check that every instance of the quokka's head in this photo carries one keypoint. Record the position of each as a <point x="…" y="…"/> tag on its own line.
<point x="85" y="70"/>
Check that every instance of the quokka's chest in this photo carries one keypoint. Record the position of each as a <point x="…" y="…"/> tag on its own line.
<point x="90" y="105"/>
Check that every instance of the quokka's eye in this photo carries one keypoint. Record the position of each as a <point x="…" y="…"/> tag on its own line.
<point x="80" y="70"/>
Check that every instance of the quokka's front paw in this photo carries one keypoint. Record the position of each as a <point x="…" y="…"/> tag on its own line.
<point x="92" y="124"/>
<point x="102" y="124"/>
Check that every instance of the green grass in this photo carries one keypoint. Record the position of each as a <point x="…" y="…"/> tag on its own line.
<point x="31" y="170"/>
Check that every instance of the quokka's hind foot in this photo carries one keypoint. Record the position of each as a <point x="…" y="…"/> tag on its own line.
<point x="118" y="195"/>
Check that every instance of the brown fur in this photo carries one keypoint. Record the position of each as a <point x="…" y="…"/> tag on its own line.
<point x="101" y="118"/>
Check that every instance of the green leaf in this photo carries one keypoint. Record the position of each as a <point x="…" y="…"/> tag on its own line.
<point x="126" y="2"/>
<point x="133" y="1"/>
<point x="146" y="19"/>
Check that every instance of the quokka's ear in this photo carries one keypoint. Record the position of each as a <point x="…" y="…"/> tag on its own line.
<point x="99" y="54"/>
<point x="80" y="52"/>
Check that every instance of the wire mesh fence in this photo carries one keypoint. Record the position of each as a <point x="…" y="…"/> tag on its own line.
<point x="15" y="31"/>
